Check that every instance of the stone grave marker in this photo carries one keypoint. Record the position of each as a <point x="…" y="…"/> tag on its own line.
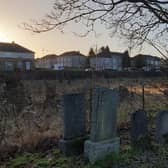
<point x="162" y="127"/>
<point x="74" y="124"/>
<point x="139" y="126"/>
<point x="103" y="139"/>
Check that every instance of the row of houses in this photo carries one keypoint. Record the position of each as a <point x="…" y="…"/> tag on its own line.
<point x="75" y="59"/>
<point x="102" y="61"/>
<point x="14" y="57"/>
<point x="66" y="60"/>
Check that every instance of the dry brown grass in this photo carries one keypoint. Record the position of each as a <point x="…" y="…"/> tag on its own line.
<point x="45" y="110"/>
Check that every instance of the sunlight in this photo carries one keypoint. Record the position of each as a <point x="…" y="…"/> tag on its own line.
<point x="3" y="37"/>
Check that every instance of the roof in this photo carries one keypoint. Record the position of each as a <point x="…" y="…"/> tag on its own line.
<point x="107" y="55"/>
<point x="72" y="53"/>
<point x="50" y="56"/>
<point x="13" y="47"/>
<point x="146" y="56"/>
<point x="117" y="53"/>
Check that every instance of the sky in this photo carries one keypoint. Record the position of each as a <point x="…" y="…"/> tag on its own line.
<point x="14" y="12"/>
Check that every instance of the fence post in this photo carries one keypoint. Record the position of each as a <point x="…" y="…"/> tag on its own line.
<point x="143" y="96"/>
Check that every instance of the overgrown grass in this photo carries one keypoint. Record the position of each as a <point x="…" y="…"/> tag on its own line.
<point x="156" y="157"/>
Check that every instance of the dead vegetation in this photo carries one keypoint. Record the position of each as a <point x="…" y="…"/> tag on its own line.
<point x="37" y="123"/>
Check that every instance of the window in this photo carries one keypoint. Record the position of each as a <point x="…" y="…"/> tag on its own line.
<point x="9" y="66"/>
<point x="28" y="65"/>
<point x="115" y="63"/>
<point x="20" y="65"/>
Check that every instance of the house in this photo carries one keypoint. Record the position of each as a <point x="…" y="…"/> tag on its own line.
<point x="15" y="57"/>
<point x="146" y="62"/>
<point x="106" y="61"/>
<point x="46" y="62"/>
<point x="72" y="59"/>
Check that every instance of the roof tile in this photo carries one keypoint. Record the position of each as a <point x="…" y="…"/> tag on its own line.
<point x="13" y="47"/>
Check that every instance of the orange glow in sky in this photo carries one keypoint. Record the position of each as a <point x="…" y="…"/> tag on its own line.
<point x="3" y="37"/>
<point x="14" y="12"/>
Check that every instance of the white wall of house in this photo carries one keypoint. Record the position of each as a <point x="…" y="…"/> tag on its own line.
<point x="58" y="66"/>
<point x="46" y="63"/>
<point x="16" y="60"/>
<point x="102" y="63"/>
<point x="16" y="55"/>
<point x="152" y="63"/>
<point x="117" y="62"/>
<point x="60" y="62"/>
<point x="76" y="61"/>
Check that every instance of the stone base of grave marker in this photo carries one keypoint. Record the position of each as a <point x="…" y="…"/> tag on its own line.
<point x="72" y="147"/>
<point x="98" y="150"/>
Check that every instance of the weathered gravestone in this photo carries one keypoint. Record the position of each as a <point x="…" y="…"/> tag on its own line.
<point x="162" y="127"/>
<point x="103" y="140"/>
<point x="74" y="124"/>
<point x="139" y="127"/>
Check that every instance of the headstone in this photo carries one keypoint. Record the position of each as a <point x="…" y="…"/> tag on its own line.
<point x="162" y="127"/>
<point x="74" y="124"/>
<point x="104" y="114"/>
<point x="103" y="140"/>
<point x="139" y="126"/>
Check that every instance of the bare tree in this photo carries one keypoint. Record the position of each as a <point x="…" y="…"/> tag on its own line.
<point x="138" y="20"/>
